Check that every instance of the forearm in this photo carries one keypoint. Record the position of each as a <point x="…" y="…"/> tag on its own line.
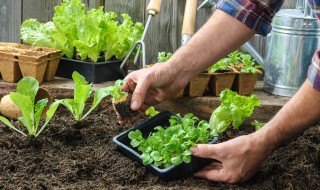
<point x="221" y="35"/>
<point x="301" y="112"/>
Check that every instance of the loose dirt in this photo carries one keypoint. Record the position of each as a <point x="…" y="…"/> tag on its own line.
<point x="69" y="155"/>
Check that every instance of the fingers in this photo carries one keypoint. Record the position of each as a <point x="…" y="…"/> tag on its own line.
<point x="129" y="86"/>
<point x="206" y="151"/>
<point x="213" y="172"/>
<point x="139" y="94"/>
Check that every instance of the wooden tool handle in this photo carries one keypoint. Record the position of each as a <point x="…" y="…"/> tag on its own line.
<point x="189" y="18"/>
<point x="154" y="5"/>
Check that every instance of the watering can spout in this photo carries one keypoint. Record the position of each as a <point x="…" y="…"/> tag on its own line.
<point x="248" y="48"/>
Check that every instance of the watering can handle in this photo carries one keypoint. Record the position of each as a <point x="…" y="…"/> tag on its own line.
<point x="154" y="7"/>
<point x="189" y="19"/>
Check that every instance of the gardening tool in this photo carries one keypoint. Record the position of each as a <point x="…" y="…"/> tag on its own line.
<point x="207" y="4"/>
<point x="289" y="49"/>
<point x="152" y="9"/>
<point x="189" y="21"/>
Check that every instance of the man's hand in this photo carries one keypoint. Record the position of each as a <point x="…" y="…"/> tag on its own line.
<point x="239" y="159"/>
<point x="152" y="85"/>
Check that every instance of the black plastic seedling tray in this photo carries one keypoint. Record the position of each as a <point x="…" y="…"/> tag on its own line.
<point x="170" y="173"/>
<point x="93" y="72"/>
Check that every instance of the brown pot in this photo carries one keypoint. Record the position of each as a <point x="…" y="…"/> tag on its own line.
<point x="198" y="84"/>
<point x="244" y="83"/>
<point x="32" y="60"/>
<point x="35" y="70"/>
<point x="10" y="70"/>
<point x="220" y="82"/>
<point x="52" y="68"/>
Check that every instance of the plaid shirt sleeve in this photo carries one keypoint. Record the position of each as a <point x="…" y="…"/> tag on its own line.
<point x="314" y="69"/>
<point x="256" y="14"/>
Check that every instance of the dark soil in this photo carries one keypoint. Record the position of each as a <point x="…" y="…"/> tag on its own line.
<point x="82" y="156"/>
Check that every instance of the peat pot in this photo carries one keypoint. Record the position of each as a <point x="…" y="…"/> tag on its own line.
<point x="221" y="81"/>
<point x="244" y="83"/>
<point x="146" y="127"/>
<point x="198" y="85"/>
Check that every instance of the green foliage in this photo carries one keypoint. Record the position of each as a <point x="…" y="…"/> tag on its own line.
<point x="249" y="65"/>
<point x="82" y="91"/>
<point x="257" y="125"/>
<point x="237" y="60"/>
<point x="163" y="56"/>
<point x="151" y="111"/>
<point x="220" y="66"/>
<point x="90" y="34"/>
<point x="170" y="145"/>
<point x="24" y="99"/>
<point x="234" y="109"/>
<point x="115" y="90"/>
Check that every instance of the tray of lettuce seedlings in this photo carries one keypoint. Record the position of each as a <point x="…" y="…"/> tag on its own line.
<point x="162" y="143"/>
<point x="92" y="42"/>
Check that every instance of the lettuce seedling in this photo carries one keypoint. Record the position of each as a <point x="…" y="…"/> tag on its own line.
<point x="257" y="125"/>
<point x="220" y="66"/>
<point x="163" y="56"/>
<point x="234" y="109"/>
<point x="248" y="65"/>
<point x="151" y="111"/>
<point x="24" y="99"/>
<point x="82" y="92"/>
<point x="120" y="100"/>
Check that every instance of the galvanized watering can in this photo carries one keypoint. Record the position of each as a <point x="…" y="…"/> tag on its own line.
<point x="290" y="46"/>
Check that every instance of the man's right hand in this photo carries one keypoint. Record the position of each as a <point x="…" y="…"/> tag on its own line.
<point x="152" y="85"/>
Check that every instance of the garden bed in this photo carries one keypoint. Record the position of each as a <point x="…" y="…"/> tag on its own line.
<point x="82" y="156"/>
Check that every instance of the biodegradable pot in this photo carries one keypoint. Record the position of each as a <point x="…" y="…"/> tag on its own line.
<point x="10" y="70"/>
<point x="198" y="84"/>
<point x="93" y="72"/>
<point x="123" y="107"/>
<point x="220" y="81"/>
<point x="171" y="173"/>
<point x="53" y="62"/>
<point x="33" y="69"/>
<point x="244" y="83"/>
<point x="25" y="60"/>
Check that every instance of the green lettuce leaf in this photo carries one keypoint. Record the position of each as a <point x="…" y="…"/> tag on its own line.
<point x="234" y="109"/>
<point x="26" y="106"/>
<point x="7" y="122"/>
<point x="39" y="107"/>
<point x="49" y="114"/>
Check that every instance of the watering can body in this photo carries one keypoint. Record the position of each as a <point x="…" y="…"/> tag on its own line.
<point x="290" y="47"/>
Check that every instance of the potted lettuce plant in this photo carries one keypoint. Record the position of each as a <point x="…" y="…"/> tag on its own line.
<point x="247" y="75"/>
<point x="93" y="43"/>
<point x="223" y="73"/>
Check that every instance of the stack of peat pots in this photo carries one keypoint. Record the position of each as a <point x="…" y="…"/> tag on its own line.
<point x="18" y="60"/>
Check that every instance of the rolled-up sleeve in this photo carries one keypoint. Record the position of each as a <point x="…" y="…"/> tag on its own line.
<point x="256" y="14"/>
<point x="314" y="71"/>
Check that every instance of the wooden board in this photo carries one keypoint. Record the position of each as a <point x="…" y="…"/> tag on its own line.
<point x="10" y="20"/>
<point x="41" y="10"/>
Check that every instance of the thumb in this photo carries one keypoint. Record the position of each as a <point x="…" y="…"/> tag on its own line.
<point x="205" y="151"/>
